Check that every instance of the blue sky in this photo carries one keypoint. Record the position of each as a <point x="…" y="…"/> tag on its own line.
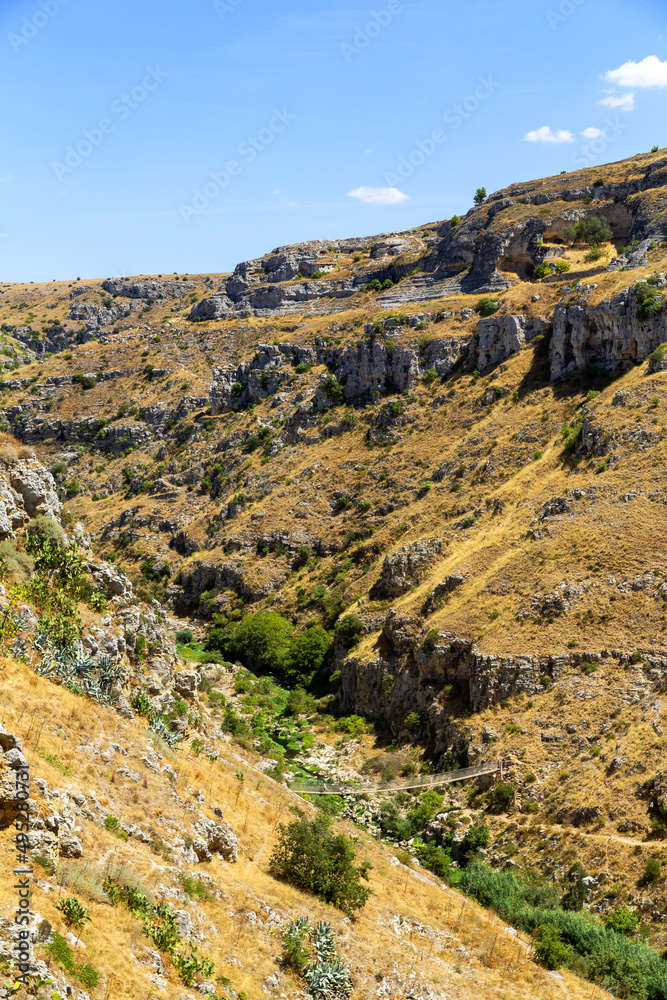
<point x="146" y="137"/>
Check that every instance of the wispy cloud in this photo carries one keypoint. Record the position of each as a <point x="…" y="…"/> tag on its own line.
<point x="7" y="178"/>
<point x="378" y="196"/>
<point x="650" y="72"/>
<point x="624" y="102"/>
<point x="546" y="134"/>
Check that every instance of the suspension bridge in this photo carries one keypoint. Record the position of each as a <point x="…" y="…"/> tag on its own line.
<point x="424" y="781"/>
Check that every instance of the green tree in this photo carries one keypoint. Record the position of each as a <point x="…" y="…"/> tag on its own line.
<point x="413" y="722"/>
<point x="310" y="857"/>
<point x="477" y="837"/>
<point x="592" y="229"/>
<point x="550" y="948"/>
<point x="306" y="654"/>
<point x="480" y="195"/>
<point x="261" y="640"/>
<point x="348" y="630"/>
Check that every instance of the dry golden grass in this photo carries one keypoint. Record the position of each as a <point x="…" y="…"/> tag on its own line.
<point x="409" y="922"/>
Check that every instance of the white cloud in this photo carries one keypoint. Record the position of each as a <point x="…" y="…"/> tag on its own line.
<point x="650" y="72"/>
<point x="277" y="191"/>
<point x="6" y="179"/>
<point x="592" y="133"/>
<point x="545" y="134"/>
<point x="626" y="102"/>
<point x="378" y="196"/>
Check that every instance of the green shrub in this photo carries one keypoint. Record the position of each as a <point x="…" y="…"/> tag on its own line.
<point x="61" y="953"/>
<point x="413" y="722"/>
<point x="550" y="948"/>
<point x="73" y="911"/>
<point x="622" y="920"/>
<point x="349" y="420"/>
<point x="455" y="219"/>
<point x="476" y="838"/>
<point x="349" y="630"/>
<point x="310" y="857"/>
<point x="236" y="726"/>
<point x="592" y="230"/>
<point x="487" y="306"/>
<point x="431" y="640"/>
<point x="649" y="300"/>
<point x="15" y="566"/>
<point x="353" y="725"/>
<point x="652" y="870"/>
<point x="659" y="353"/>
<point x="184" y="637"/>
<point x="503" y="793"/>
<point x="112" y="824"/>
<point x="542" y="271"/>
<point x="333" y="388"/>
<point x="437" y="859"/>
<point x="562" y="266"/>
<point x="480" y="195"/>
<point x="45" y="529"/>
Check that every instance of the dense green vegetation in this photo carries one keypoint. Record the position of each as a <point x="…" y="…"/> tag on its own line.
<point x="592" y="229"/>
<point x="606" y="953"/>
<point x="649" y="299"/>
<point x="312" y="858"/>
<point x="267" y="643"/>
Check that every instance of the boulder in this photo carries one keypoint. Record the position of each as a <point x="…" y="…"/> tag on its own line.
<point x="218" y="838"/>
<point x="70" y="847"/>
<point x="186" y="683"/>
<point x="403" y="569"/>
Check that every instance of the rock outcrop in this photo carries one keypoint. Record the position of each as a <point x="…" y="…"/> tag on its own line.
<point x="498" y="337"/>
<point x="403" y="569"/>
<point x="26" y="490"/>
<point x="609" y="335"/>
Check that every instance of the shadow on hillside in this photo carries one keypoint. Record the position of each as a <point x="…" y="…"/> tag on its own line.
<point x="576" y="384"/>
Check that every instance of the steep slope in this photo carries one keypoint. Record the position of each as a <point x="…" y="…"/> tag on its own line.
<point x="86" y="764"/>
<point x="342" y="429"/>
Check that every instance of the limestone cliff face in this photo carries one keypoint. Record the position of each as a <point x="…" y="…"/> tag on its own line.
<point x="26" y="490"/>
<point x="466" y="255"/>
<point x="411" y="674"/>
<point x="381" y="363"/>
<point x="608" y="335"/>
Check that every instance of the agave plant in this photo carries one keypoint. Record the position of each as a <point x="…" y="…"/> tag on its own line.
<point x="160" y="728"/>
<point x="323" y="942"/>
<point x="328" y="977"/>
<point x="19" y="649"/>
